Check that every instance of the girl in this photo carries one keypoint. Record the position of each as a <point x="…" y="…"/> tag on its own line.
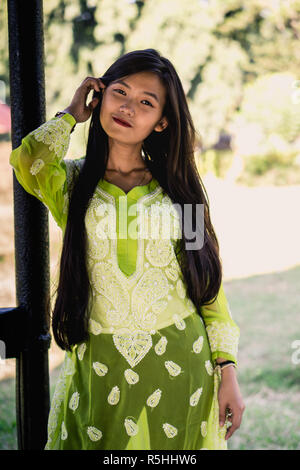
<point x="143" y="319"/>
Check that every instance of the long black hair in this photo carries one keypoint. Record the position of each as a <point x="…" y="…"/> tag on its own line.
<point x="169" y="155"/>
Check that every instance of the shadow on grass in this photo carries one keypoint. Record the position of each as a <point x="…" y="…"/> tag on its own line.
<point x="276" y="379"/>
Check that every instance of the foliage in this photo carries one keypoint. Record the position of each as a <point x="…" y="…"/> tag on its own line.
<point x="220" y="49"/>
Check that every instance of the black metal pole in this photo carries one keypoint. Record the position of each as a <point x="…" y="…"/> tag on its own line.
<point x="27" y="91"/>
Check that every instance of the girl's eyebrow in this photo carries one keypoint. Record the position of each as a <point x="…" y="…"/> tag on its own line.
<point x="146" y="92"/>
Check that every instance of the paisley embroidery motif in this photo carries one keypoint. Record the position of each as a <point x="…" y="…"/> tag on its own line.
<point x="209" y="367"/>
<point x="204" y="428"/>
<point x="194" y="398"/>
<point x="170" y="430"/>
<point x="94" y="433"/>
<point x="160" y="347"/>
<point x="131" y="427"/>
<point x="114" y="396"/>
<point x="154" y="398"/>
<point x="74" y="401"/>
<point x="179" y="322"/>
<point x="173" y="368"/>
<point x="198" y="344"/>
<point x="64" y="433"/>
<point x="131" y="376"/>
<point x="81" y="350"/>
<point x="100" y="369"/>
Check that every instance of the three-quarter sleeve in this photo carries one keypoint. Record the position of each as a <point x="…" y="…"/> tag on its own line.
<point x="223" y="333"/>
<point x="39" y="166"/>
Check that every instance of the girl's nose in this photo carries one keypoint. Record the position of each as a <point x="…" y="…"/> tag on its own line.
<point x="128" y="109"/>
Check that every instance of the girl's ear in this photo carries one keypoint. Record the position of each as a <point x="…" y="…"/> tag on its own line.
<point x="161" y="125"/>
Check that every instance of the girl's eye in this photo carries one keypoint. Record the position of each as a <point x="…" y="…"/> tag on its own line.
<point x="148" y="102"/>
<point x="119" y="89"/>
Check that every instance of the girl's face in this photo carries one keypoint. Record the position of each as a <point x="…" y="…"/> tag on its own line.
<point x="139" y="100"/>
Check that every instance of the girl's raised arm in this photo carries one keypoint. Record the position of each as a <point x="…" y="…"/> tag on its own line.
<point x="223" y="333"/>
<point x="39" y="167"/>
<point x="38" y="162"/>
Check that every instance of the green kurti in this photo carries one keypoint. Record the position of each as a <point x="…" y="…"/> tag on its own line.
<point x="147" y="376"/>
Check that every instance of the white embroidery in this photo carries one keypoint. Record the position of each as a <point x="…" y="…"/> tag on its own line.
<point x="194" y="398"/>
<point x="67" y="370"/>
<point x="160" y="347"/>
<point x="159" y="306"/>
<point x="36" y="166"/>
<point x="74" y="401"/>
<point x="81" y="350"/>
<point x="209" y="367"/>
<point x="94" y="433"/>
<point x="131" y="376"/>
<point x="94" y="327"/>
<point x="180" y="289"/>
<point x="131" y="427"/>
<point x="170" y="430"/>
<point x="204" y="428"/>
<point x="172" y="274"/>
<point x="159" y="252"/>
<point x="179" y="322"/>
<point x="64" y="433"/>
<point x="133" y="307"/>
<point x="100" y="369"/>
<point x="55" y="134"/>
<point x="173" y="368"/>
<point x="133" y="346"/>
<point x="223" y="337"/>
<point x="198" y="344"/>
<point x="154" y="398"/>
<point x="114" y="396"/>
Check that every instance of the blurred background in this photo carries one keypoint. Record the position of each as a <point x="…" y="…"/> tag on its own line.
<point x="239" y="63"/>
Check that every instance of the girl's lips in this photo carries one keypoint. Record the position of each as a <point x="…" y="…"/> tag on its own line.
<point x="121" y="123"/>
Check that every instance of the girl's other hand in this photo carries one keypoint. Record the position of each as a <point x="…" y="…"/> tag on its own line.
<point x="230" y="398"/>
<point x="78" y="107"/>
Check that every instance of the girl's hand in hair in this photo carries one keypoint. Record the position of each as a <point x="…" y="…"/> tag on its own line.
<point x="78" y="107"/>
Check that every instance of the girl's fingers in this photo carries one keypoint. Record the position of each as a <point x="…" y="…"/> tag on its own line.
<point x="101" y="84"/>
<point x="91" y="83"/>
<point x="235" y="419"/>
<point x="93" y="103"/>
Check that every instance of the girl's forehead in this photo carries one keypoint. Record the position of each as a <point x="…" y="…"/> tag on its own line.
<point x="149" y="77"/>
<point x="147" y="81"/>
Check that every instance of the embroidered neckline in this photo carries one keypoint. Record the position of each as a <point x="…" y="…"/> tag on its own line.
<point x="135" y="193"/>
<point x="132" y="278"/>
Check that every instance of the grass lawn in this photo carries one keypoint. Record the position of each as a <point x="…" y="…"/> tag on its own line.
<point x="266" y="308"/>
